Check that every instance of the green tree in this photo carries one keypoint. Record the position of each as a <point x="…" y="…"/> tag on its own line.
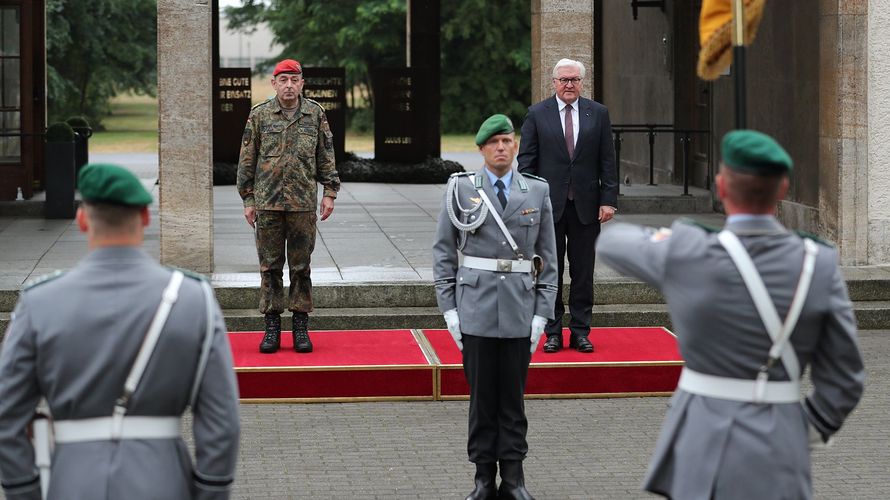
<point x="486" y="62"/>
<point x="486" y="47"/>
<point x="96" y="49"/>
<point x="355" y="34"/>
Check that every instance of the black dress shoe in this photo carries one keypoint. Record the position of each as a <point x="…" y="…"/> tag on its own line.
<point x="581" y="343"/>
<point x="486" y="489"/>
<point x="272" y="339"/>
<point x="513" y="482"/>
<point x="301" y="332"/>
<point x="553" y="343"/>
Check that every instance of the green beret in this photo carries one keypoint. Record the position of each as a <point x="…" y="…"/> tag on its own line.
<point x="108" y="183"/>
<point x="752" y="152"/>
<point x="493" y="125"/>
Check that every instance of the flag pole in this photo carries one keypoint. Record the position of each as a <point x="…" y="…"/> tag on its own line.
<point x="738" y="62"/>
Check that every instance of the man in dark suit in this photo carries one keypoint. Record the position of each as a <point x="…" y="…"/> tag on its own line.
<point x="567" y="139"/>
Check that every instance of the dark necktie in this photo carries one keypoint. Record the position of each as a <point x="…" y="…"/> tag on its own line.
<point x="570" y="144"/>
<point x="570" y="132"/>
<point x="501" y="196"/>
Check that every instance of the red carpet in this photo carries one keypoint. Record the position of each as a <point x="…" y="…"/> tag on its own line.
<point x="383" y="365"/>
<point x="344" y="366"/>
<point x="627" y="362"/>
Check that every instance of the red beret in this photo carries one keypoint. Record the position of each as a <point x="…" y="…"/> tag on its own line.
<point x="287" y="66"/>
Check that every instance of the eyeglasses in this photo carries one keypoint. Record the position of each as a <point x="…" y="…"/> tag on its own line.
<point x="566" y="81"/>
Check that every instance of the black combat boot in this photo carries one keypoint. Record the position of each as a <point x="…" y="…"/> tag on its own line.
<point x="513" y="482"/>
<point x="486" y="489"/>
<point x="272" y="339"/>
<point x="301" y="332"/>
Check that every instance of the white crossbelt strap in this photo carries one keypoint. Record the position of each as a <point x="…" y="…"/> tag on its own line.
<point x="168" y="298"/>
<point x="497" y="218"/>
<point x="778" y="331"/>
<point x="132" y="427"/>
<point x="735" y="389"/>
<point x="499" y="265"/>
<point x="208" y="340"/>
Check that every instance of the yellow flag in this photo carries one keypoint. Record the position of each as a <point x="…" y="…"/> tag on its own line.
<point x="715" y="33"/>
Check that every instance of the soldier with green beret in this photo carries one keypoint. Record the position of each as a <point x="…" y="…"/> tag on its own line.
<point x="286" y="151"/>
<point x="753" y="306"/>
<point x="497" y="299"/>
<point x="73" y="340"/>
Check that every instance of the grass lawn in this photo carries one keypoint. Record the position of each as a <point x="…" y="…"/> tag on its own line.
<point x="132" y="127"/>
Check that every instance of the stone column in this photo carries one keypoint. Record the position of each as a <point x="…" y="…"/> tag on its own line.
<point x="185" y="122"/>
<point x="560" y="28"/>
<point x="878" y="148"/>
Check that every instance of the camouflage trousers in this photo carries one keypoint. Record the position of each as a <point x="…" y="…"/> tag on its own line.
<point x="274" y="230"/>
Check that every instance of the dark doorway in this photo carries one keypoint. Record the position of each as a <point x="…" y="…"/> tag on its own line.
<point x="692" y="96"/>
<point x="22" y="97"/>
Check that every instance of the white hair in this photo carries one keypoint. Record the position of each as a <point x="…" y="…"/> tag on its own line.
<point x="569" y="62"/>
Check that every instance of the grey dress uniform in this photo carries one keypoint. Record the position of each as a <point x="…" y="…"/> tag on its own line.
<point x="73" y="339"/>
<point x="496" y="308"/>
<point x="718" y="448"/>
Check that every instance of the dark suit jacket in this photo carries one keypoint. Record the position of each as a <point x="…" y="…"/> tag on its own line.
<point x="592" y="172"/>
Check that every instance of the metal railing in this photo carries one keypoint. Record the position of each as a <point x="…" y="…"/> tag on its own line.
<point x="651" y="130"/>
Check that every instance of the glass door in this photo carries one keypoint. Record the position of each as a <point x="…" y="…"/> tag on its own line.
<point x="10" y="84"/>
<point x="22" y="97"/>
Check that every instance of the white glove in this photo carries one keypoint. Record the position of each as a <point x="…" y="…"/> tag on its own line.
<point x="538" y="324"/>
<point x="453" y="323"/>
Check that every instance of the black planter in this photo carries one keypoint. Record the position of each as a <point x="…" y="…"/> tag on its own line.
<point x="81" y="149"/>
<point x="60" y="180"/>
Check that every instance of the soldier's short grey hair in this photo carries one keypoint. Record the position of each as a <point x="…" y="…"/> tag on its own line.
<point x="569" y="62"/>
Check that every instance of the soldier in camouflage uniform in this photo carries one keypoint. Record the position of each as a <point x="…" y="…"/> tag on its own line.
<point x="287" y="148"/>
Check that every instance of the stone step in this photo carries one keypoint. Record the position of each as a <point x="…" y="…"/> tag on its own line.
<point x="680" y="204"/>
<point x="422" y="294"/>
<point x="428" y="317"/>
<point x="870" y="315"/>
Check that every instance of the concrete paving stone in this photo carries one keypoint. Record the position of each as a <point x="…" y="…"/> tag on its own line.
<point x="417" y="450"/>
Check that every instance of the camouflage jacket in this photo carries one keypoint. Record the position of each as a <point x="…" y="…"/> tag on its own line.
<point x="282" y="160"/>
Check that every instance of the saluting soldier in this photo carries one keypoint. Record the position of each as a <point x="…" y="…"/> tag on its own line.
<point x="286" y="150"/>
<point x="753" y="306"/>
<point x="494" y="262"/>
<point x="118" y="346"/>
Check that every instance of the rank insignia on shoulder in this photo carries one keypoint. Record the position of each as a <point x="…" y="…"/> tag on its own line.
<point x="531" y="176"/>
<point x="815" y="237"/>
<point x="693" y="222"/>
<point x="460" y="174"/>
<point x="46" y="278"/>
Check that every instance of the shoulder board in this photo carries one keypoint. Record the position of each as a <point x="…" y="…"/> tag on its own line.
<point x="530" y="176"/>
<point x="814" y="237"/>
<point x="261" y="103"/>
<point x="314" y="102"/>
<point x="46" y="278"/>
<point x="189" y="273"/>
<point x="460" y="174"/>
<point x="693" y="222"/>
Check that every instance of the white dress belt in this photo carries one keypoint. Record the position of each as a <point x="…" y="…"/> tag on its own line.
<point x="735" y="389"/>
<point x="100" y="428"/>
<point x="498" y="265"/>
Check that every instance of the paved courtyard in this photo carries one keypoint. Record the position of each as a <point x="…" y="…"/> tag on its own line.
<point x="418" y="450"/>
